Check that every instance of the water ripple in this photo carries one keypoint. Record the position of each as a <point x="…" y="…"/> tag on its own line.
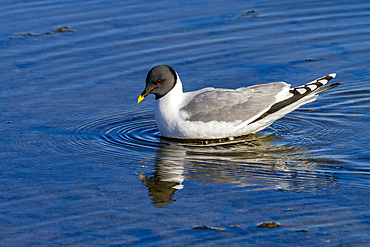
<point x="118" y="134"/>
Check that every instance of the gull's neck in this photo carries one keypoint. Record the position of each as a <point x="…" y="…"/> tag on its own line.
<point x="173" y="98"/>
<point x="167" y="110"/>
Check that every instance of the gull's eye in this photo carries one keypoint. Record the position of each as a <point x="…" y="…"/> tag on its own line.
<point x="159" y="81"/>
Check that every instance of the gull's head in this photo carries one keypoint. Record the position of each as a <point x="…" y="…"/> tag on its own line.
<point x="159" y="81"/>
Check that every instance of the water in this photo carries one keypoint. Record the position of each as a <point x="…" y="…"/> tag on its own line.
<point x="83" y="164"/>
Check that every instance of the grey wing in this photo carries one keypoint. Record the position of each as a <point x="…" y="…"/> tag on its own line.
<point x="232" y="105"/>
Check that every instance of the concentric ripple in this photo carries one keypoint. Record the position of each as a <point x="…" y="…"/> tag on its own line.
<point x="118" y="134"/>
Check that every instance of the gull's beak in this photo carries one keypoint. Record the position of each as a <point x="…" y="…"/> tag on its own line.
<point x="140" y="99"/>
<point x="143" y="95"/>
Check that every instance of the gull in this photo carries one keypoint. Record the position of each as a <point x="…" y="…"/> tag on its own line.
<point x="213" y="113"/>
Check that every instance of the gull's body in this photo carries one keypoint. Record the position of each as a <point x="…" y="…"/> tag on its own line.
<point x="212" y="113"/>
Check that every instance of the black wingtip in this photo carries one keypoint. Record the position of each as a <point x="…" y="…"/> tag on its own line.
<point x="326" y="87"/>
<point x="297" y="96"/>
<point x="336" y="84"/>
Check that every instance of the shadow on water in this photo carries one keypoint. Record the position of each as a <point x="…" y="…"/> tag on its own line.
<point x="255" y="162"/>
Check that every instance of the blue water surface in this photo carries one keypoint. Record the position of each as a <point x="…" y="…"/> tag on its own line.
<point x="83" y="164"/>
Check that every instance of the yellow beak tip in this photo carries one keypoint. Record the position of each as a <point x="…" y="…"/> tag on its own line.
<point x="140" y="99"/>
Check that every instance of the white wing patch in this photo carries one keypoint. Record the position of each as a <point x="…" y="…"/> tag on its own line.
<point x="301" y="90"/>
<point x="312" y="87"/>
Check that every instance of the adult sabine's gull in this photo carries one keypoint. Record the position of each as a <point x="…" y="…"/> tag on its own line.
<point x="212" y="113"/>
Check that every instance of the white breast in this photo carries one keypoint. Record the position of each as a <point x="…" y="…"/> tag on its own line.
<point x="167" y="111"/>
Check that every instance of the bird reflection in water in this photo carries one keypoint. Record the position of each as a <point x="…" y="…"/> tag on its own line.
<point x="252" y="161"/>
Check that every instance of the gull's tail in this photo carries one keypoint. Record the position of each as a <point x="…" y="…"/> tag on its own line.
<point x="300" y="96"/>
<point x="316" y="86"/>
